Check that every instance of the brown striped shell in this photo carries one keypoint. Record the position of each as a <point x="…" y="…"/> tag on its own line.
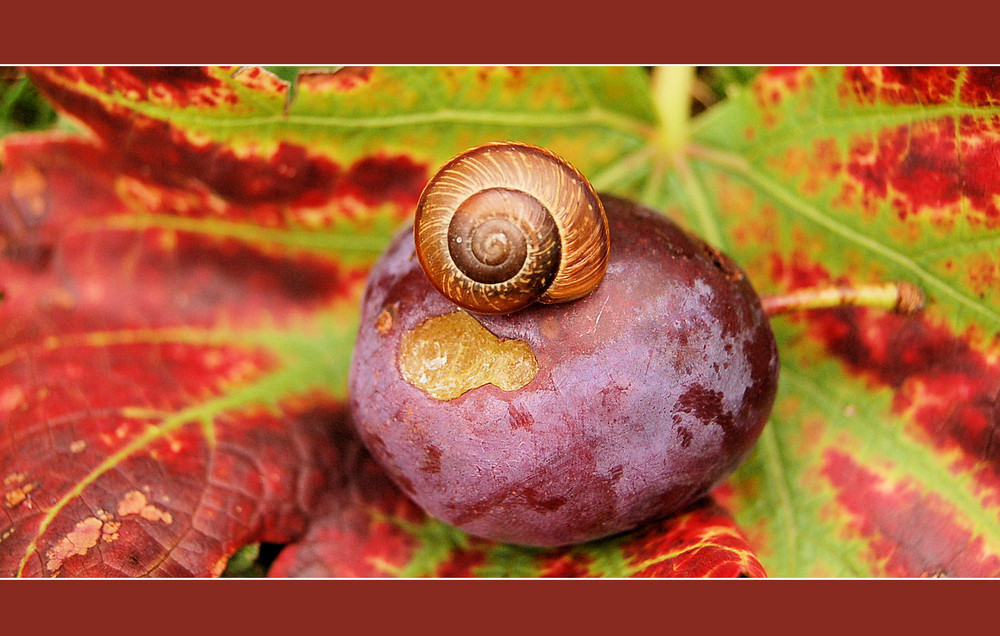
<point x="507" y="224"/>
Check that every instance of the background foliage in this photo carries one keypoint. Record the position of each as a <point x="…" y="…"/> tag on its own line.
<point x="183" y="253"/>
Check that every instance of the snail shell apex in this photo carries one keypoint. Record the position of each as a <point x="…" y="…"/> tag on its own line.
<point x="507" y="224"/>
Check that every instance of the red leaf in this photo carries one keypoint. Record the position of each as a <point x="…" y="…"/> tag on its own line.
<point x="154" y="410"/>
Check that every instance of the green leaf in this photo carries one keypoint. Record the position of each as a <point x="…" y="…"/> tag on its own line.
<point x="21" y="106"/>
<point x="880" y="457"/>
<point x="243" y="564"/>
<point x="728" y="80"/>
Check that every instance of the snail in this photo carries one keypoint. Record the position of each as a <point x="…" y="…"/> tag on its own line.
<point x="506" y="224"/>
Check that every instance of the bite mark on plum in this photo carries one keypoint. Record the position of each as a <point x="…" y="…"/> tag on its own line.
<point x="446" y="356"/>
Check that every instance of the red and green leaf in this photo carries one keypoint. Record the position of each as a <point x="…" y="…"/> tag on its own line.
<point x="164" y="388"/>
<point x="882" y="456"/>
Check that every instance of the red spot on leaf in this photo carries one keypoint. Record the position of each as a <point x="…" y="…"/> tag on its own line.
<point x="288" y="175"/>
<point x="89" y="378"/>
<point x="232" y="268"/>
<point x="380" y="179"/>
<point x="797" y="271"/>
<point x="565" y="563"/>
<point x="980" y="169"/>
<point x="461" y="564"/>
<point x="774" y="82"/>
<point x="948" y="387"/>
<point x="920" y="172"/>
<point x="982" y="273"/>
<point x="179" y="85"/>
<point x="176" y="85"/>
<point x="922" y="169"/>
<point x="346" y="79"/>
<point x="901" y="84"/>
<point x="981" y="86"/>
<point x="772" y="85"/>
<point x="894" y="517"/>
<point x="260" y="80"/>
<point x="154" y="149"/>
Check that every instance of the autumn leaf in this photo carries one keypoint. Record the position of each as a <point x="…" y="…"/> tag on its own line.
<point x="142" y="364"/>
<point x="880" y="457"/>
<point x="174" y="336"/>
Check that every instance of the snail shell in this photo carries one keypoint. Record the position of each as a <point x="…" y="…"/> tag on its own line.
<point x="507" y="224"/>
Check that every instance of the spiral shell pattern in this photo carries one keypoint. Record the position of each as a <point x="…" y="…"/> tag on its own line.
<point x="507" y="224"/>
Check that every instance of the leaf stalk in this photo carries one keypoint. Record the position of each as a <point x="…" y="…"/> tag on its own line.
<point x="672" y="86"/>
<point x="901" y="298"/>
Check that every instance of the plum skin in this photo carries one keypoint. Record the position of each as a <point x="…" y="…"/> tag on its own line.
<point x="650" y="391"/>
